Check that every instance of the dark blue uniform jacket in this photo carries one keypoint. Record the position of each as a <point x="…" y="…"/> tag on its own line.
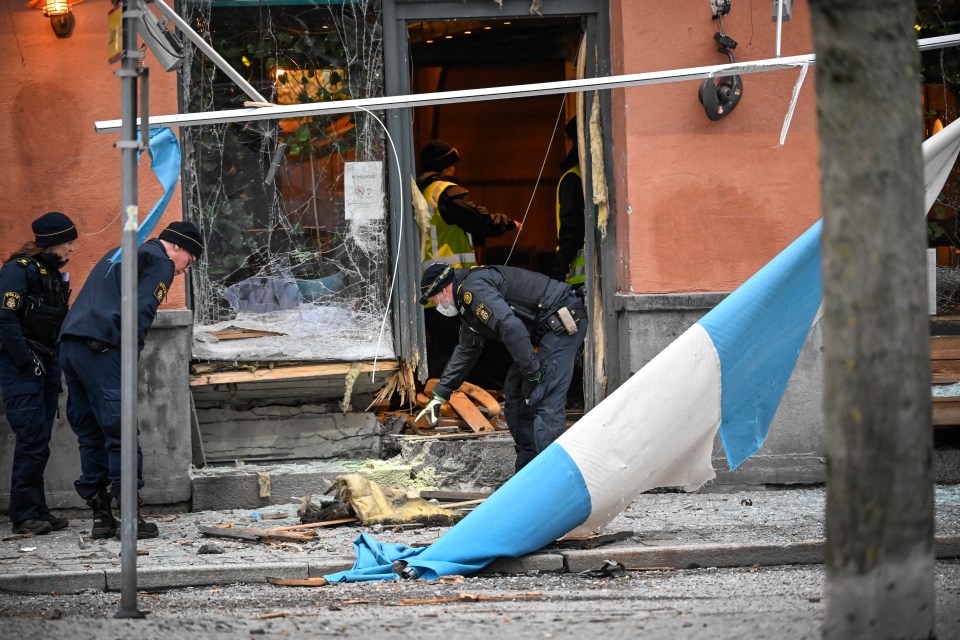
<point x="505" y="304"/>
<point x="20" y="282"/>
<point x="96" y="311"/>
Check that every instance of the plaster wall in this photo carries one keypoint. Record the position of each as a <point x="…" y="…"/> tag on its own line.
<point x="51" y="159"/>
<point x="702" y="205"/>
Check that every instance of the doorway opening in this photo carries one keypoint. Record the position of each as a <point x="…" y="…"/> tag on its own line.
<point x="511" y="151"/>
<point x="503" y="144"/>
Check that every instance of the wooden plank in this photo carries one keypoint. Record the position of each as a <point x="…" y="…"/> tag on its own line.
<point x="318" y="581"/>
<point x="453" y="496"/>
<point x="290" y="373"/>
<point x="944" y="371"/>
<point x="241" y="334"/>
<point x="469" y="412"/>
<point x="483" y="398"/>
<point x="946" y="411"/>
<point x="256" y="535"/>
<point x="945" y="348"/>
<point x="315" y="525"/>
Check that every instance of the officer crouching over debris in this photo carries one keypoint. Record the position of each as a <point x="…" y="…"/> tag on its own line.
<point x="541" y="322"/>
<point x="90" y="357"/>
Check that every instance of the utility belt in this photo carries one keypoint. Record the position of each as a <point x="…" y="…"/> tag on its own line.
<point x="96" y="345"/>
<point x="563" y="321"/>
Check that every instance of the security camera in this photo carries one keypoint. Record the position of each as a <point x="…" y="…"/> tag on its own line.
<point x="164" y="44"/>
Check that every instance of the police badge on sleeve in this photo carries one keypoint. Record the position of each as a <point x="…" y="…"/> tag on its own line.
<point x="11" y="301"/>
<point x="160" y="293"/>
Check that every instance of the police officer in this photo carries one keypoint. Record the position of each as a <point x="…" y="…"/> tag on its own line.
<point x="568" y="260"/>
<point x="457" y="225"/>
<point x="523" y="310"/>
<point x="90" y="355"/>
<point x="35" y="299"/>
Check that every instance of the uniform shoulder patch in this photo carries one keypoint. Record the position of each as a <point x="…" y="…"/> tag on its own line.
<point x="11" y="301"/>
<point x="23" y="262"/>
<point x="483" y="312"/>
<point x="160" y="293"/>
<point x="467" y="297"/>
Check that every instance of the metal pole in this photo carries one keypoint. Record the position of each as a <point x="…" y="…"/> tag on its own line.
<point x="779" y="23"/>
<point x="128" y="314"/>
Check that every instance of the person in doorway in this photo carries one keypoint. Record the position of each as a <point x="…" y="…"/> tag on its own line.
<point x="90" y="356"/>
<point x="568" y="261"/>
<point x="457" y="225"/>
<point x="35" y="301"/>
<point x="541" y="322"/>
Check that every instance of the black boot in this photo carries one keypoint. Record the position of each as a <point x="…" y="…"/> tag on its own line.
<point x="55" y="523"/>
<point x="104" y="524"/>
<point x="144" y="529"/>
<point x="34" y="527"/>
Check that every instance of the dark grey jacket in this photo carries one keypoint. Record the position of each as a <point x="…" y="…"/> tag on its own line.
<point x="500" y="303"/>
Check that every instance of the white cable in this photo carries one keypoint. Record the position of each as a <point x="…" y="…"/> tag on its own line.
<point x="396" y="264"/>
<point x="535" y="184"/>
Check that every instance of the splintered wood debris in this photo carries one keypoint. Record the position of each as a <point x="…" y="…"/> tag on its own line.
<point x="471" y="411"/>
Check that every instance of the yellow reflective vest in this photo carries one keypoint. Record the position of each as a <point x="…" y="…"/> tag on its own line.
<point x="578" y="266"/>
<point x="446" y="243"/>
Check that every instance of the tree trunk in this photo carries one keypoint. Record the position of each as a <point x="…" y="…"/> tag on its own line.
<point x="879" y="438"/>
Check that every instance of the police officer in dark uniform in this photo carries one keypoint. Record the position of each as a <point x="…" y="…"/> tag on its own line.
<point x="90" y="355"/>
<point x="35" y="299"/>
<point x="523" y="310"/>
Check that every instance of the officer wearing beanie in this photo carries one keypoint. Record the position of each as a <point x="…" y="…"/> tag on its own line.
<point x="457" y="225"/>
<point x="542" y="324"/>
<point x="35" y="298"/>
<point x="90" y="356"/>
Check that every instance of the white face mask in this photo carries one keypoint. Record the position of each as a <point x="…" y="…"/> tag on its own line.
<point x="448" y="310"/>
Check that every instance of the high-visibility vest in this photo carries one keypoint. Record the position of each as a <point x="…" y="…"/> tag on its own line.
<point x="446" y="243"/>
<point x="577" y="273"/>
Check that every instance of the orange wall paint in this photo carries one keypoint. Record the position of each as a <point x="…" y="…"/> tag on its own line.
<point x="702" y="205"/>
<point x="53" y="91"/>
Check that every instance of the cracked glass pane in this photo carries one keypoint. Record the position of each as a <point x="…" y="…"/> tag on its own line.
<point x="293" y="269"/>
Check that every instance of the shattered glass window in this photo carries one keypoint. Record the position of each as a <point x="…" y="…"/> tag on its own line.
<point x="295" y="267"/>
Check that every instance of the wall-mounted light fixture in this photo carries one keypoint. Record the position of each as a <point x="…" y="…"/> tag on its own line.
<point x="60" y="13"/>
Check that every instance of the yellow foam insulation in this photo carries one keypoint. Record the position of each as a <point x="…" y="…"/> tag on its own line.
<point x="376" y="504"/>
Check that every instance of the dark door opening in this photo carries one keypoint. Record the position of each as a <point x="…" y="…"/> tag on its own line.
<point x="503" y="144"/>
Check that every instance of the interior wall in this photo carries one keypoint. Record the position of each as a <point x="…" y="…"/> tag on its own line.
<point x="502" y="144"/>
<point x="702" y="205"/>
<point x="51" y="159"/>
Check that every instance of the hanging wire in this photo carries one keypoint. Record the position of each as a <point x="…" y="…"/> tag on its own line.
<point x="396" y="264"/>
<point x="537" y="183"/>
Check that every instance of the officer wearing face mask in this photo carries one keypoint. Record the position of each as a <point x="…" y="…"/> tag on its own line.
<point x="523" y="310"/>
<point x="457" y="225"/>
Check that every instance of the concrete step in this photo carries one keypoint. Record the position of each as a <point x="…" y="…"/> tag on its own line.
<point x="480" y="464"/>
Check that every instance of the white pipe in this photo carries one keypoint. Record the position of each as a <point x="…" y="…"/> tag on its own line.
<point x="491" y="93"/>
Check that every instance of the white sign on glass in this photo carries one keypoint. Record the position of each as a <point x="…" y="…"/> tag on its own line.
<point x="363" y="191"/>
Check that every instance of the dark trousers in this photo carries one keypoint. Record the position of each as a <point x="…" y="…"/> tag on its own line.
<point x="93" y="410"/>
<point x="30" y="402"/>
<point x="534" y="426"/>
